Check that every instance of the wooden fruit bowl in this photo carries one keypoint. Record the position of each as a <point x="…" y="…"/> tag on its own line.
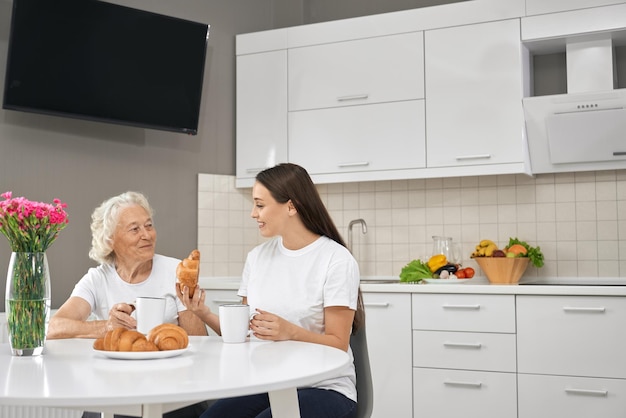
<point x="503" y="270"/>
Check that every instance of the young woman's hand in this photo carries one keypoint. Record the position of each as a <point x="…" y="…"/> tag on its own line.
<point x="268" y="326"/>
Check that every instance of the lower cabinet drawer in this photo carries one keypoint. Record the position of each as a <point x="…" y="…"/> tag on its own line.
<point x="464" y="350"/>
<point x="467" y="394"/>
<point x="571" y="397"/>
<point x="464" y="312"/>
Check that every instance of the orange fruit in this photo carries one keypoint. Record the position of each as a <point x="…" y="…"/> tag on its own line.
<point x="517" y="249"/>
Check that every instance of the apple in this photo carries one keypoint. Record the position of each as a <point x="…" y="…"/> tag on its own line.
<point x="498" y="253"/>
<point x="511" y="255"/>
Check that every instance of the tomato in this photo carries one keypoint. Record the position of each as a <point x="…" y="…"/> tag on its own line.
<point x="460" y="274"/>
<point x="469" y="272"/>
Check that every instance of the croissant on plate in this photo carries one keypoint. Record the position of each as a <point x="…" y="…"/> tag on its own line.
<point x="122" y="339"/>
<point x="168" y="337"/>
<point x="187" y="272"/>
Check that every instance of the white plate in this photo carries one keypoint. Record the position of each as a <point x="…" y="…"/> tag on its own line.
<point x="141" y="355"/>
<point x="446" y="281"/>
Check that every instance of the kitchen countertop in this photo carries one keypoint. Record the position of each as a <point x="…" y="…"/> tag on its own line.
<point x="547" y="286"/>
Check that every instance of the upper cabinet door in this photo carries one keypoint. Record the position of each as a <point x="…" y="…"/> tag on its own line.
<point x="535" y="7"/>
<point x="364" y="71"/>
<point x="474" y="91"/>
<point x="261" y="112"/>
<point x="386" y="136"/>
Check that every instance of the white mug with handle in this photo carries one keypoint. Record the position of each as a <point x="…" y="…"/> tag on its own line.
<point x="235" y="322"/>
<point x="150" y="312"/>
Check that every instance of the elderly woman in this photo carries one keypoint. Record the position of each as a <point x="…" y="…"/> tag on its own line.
<point x="123" y="242"/>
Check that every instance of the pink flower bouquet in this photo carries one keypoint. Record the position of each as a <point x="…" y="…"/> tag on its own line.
<point x="31" y="226"/>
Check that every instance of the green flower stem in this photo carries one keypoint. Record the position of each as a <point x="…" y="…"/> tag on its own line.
<point x="27" y="323"/>
<point x="28" y="300"/>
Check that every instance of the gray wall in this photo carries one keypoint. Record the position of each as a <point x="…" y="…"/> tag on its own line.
<point x="82" y="163"/>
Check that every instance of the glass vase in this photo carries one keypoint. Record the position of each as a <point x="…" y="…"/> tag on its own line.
<point x="27" y="302"/>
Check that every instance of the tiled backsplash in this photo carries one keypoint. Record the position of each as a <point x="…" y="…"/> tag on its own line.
<point x="578" y="220"/>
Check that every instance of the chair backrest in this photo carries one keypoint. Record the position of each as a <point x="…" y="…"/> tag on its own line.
<point x="364" y="386"/>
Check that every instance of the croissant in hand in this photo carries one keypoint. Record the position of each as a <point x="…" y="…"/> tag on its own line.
<point x="187" y="272"/>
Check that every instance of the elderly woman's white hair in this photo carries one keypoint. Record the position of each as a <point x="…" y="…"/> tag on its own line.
<point x="104" y="221"/>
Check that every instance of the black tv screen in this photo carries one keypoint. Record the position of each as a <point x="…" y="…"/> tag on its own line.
<point x="93" y="60"/>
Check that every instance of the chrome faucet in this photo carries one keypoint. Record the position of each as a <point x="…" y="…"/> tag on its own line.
<point x="350" y="225"/>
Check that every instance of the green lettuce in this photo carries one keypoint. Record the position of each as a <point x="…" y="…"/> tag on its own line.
<point x="415" y="271"/>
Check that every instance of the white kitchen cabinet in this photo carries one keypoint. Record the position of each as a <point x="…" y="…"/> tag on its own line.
<point x="388" y="322"/>
<point x="464" y="350"/>
<point x="571" y="335"/>
<point x="386" y="136"/>
<point x="464" y="312"/>
<point x="573" y="397"/>
<point x="362" y="71"/>
<point x="362" y="100"/>
<point x="474" y="90"/>
<point x="569" y="356"/>
<point x="464" y="355"/>
<point x="462" y="393"/>
<point x="261" y="112"/>
<point x="535" y="7"/>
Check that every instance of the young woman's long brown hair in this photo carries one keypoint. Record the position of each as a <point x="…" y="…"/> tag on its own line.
<point x="291" y="182"/>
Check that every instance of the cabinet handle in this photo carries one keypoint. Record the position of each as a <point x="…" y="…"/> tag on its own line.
<point x="471" y="307"/>
<point x="352" y="97"/>
<point x="460" y="383"/>
<point x="472" y="157"/>
<point x="354" y="164"/>
<point x="580" y="309"/>
<point x="254" y="170"/>
<point x="463" y="345"/>
<point x="619" y="153"/>
<point x="590" y="392"/>
<point x="377" y="304"/>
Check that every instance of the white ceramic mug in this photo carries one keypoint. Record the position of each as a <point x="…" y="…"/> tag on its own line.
<point x="150" y="313"/>
<point x="234" y="322"/>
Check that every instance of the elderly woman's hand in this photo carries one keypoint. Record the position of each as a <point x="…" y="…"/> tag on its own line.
<point x="119" y="317"/>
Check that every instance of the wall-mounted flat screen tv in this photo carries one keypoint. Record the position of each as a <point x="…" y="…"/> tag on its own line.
<point x="94" y="60"/>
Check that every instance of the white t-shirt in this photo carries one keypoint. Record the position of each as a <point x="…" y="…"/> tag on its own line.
<point x="102" y="288"/>
<point x="298" y="285"/>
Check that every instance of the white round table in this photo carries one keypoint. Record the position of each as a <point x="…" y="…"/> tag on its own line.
<point x="71" y="374"/>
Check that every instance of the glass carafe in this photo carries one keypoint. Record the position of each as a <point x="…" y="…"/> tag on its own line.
<point x="444" y="245"/>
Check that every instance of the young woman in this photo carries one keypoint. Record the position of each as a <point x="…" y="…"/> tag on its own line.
<point x="304" y="284"/>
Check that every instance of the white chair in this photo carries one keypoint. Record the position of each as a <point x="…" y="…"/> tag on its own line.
<point x="364" y="387"/>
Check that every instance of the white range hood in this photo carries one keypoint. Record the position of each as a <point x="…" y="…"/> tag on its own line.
<point x="584" y="129"/>
<point x="576" y="132"/>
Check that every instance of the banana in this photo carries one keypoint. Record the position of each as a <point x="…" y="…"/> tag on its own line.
<point x="490" y="249"/>
<point x="485" y="248"/>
